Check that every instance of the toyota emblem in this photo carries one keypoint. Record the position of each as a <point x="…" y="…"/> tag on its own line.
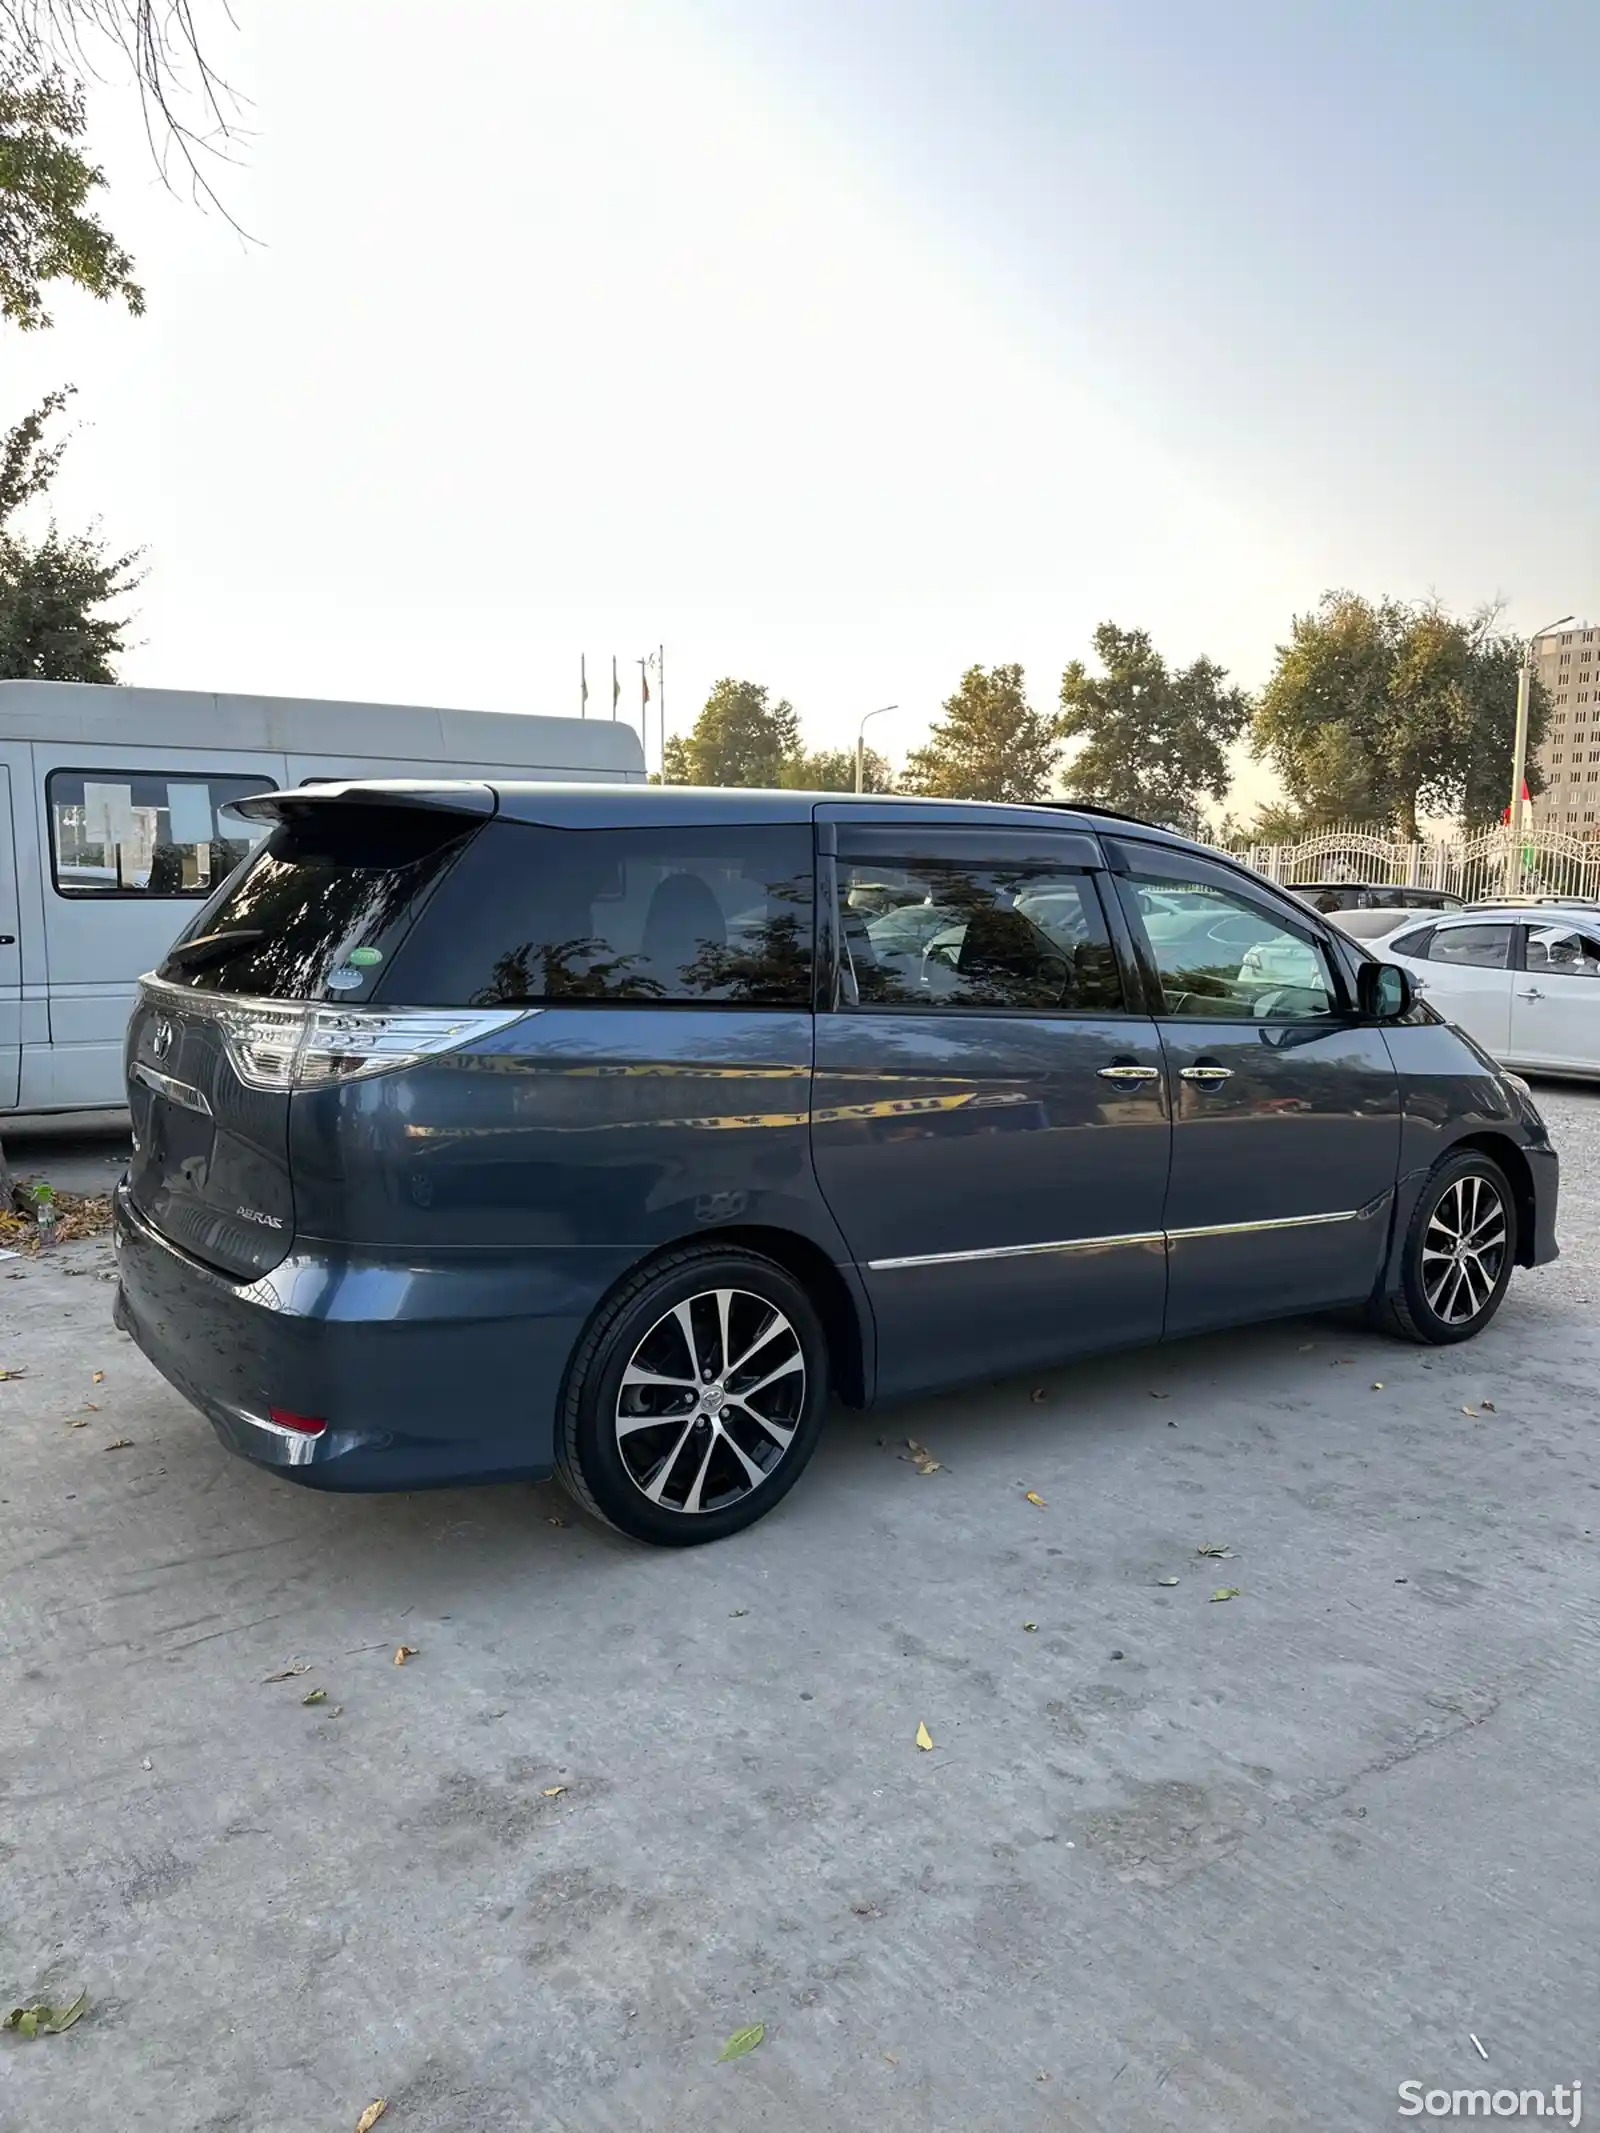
<point x="161" y="1042"/>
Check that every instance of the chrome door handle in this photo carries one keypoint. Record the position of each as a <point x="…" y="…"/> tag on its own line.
<point x="1533" y="993"/>
<point x="1205" y="1073"/>
<point x="1129" y="1073"/>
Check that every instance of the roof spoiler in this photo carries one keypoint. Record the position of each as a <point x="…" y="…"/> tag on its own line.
<point x="463" y="798"/>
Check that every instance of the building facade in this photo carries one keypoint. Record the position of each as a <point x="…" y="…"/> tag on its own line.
<point x="1568" y="663"/>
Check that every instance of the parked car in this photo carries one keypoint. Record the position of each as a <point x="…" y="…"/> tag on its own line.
<point x="1371" y="925"/>
<point x="1373" y="896"/>
<point x="1523" y="980"/>
<point x="485" y="1130"/>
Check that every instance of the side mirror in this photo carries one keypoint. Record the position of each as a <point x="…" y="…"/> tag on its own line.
<point x="1385" y="992"/>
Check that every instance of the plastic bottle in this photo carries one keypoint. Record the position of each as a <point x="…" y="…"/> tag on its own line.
<point x="44" y="1200"/>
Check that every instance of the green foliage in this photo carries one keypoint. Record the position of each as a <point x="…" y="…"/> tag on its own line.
<point x="1155" y="741"/>
<point x="834" y="770"/>
<point x="990" y="745"/>
<point x="46" y="233"/>
<point x="54" y="589"/>
<point x="740" y="738"/>
<point x="1380" y="711"/>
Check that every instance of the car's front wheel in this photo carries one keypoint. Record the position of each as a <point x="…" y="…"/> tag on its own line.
<point x="695" y="1399"/>
<point x="1459" y="1251"/>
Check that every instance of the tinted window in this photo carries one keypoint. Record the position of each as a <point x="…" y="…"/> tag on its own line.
<point x="145" y="832"/>
<point x="1414" y="944"/>
<point x="1223" y="957"/>
<point x="718" y="916"/>
<point x="1563" y="952"/>
<point x="1480" y="947"/>
<point x="318" y="912"/>
<point x="969" y="933"/>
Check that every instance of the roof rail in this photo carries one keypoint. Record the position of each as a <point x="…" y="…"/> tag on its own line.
<point x="1111" y="814"/>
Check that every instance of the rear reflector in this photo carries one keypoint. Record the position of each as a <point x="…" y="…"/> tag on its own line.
<point x="307" y="1425"/>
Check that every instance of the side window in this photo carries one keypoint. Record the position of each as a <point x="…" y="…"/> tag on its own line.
<point x="1414" y="944"/>
<point x="640" y="917"/>
<point x="1563" y="952"/>
<point x="1222" y="957"/>
<point x="989" y="936"/>
<point x="145" y="832"/>
<point x="1478" y="947"/>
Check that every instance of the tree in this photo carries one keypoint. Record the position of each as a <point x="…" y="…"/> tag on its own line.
<point x="1155" y="741"/>
<point x="46" y="232"/>
<point x="990" y="745"/>
<point x="1379" y="711"/>
<point x="834" y="770"/>
<point x="740" y="738"/>
<point x="54" y="589"/>
<point x="188" y="108"/>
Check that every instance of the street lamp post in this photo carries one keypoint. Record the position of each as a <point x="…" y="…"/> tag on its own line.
<point x="861" y="743"/>
<point x="1519" y="754"/>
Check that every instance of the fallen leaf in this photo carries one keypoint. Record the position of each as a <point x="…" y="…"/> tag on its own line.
<point x="1339" y="1361"/>
<point x="1216" y="1552"/>
<point x="403" y="1652"/>
<point x="1030" y="1626"/>
<point x="893" y="2061"/>
<point x="1161" y="1396"/>
<point x="1226" y="1592"/>
<point x="921" y="1458"/>
<point x="1489" y="1407"/>
<point x="301" y="1666"/>
<point x="554" y="1792"/>
<point x="14" y="1374"/>
<point x="1470" y="1411"/>
<point x="41" y="2019"/>
<point x="1377" y="1384"/>
<point x="924" y="1737"/>
<point x="742" y="2041"/>
<point x="90" y="1408"/>
<point x="735" y="1612"/>
<point x="1039" y="1500"/>
<point x="1166" y="1581"/>
<point x="1037" y="1394"/>
<point x="147" y="1764"/>
<point x="1306" y="1347"/>
<point x="79" y="1422"/>
<point x="99" y="1377"/>
<point x="552" y="1520"/>
<point x="120" y="1444"/>
<point x="370" y="2116"/>
<point x="316" y="1696"/>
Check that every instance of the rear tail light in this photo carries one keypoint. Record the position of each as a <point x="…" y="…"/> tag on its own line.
<point x="286" y="1045"/>
<point x="302" y="1425"/>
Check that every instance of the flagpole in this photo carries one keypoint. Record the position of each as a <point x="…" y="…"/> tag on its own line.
<point x="616" y="688"/>
<point x="583" y="685"/>
<point x="661" y="705"/>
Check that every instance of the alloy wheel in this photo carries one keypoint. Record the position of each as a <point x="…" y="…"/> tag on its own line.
<point x="710" y="1400"/>
<point x="1464" y="1249"/>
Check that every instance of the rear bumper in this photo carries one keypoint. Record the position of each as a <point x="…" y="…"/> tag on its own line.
<point x="1544" y="1168"/>
<point x="428" y="1374"/>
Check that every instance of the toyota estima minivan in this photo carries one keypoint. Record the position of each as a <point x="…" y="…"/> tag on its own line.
<point x="486" y="1131"/>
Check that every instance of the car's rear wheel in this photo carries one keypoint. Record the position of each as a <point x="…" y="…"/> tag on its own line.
<point x="1459" y="1251"/>
<point x="695" y="1399"/>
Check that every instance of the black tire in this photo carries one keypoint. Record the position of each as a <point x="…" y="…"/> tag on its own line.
<point x="1429" y="1305"/>
<point x="721" y="1445"/>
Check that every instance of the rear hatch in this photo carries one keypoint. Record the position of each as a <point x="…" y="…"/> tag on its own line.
<point x="263" y="995"/>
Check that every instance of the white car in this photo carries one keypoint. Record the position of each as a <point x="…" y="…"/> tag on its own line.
<point x="1523" y="980"/>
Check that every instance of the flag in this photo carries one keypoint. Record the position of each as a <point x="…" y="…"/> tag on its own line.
<point x="644" y="682"/>
<point x="583" y="685"/>
<point x="1505" y="812"/>
<point x="616" y="686"/>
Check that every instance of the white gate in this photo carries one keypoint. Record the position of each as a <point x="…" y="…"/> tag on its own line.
<point x="1546" y="864"/>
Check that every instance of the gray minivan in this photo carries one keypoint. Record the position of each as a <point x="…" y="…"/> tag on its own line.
<point x="494" y="1130"/>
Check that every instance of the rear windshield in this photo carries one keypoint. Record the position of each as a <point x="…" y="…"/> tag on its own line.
<point x="318" y="911"/>
<point x="710" y="917"/>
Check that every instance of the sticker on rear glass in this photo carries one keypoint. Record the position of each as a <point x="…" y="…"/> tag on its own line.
<point x="344" y="979"/>
<point x="365" y="958"/>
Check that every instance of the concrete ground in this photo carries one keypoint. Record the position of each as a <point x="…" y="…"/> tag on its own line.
<point x="1170" y="1863"/>
<point x="86" y="1153"/>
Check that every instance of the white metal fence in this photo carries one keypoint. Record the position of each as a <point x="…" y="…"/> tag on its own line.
<point x="1547" y="863"/>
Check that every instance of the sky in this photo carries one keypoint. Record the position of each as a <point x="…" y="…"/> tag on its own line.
<point x="840" y="344"/>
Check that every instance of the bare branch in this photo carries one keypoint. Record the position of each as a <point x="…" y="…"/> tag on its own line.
<point x="191" y="113"/>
